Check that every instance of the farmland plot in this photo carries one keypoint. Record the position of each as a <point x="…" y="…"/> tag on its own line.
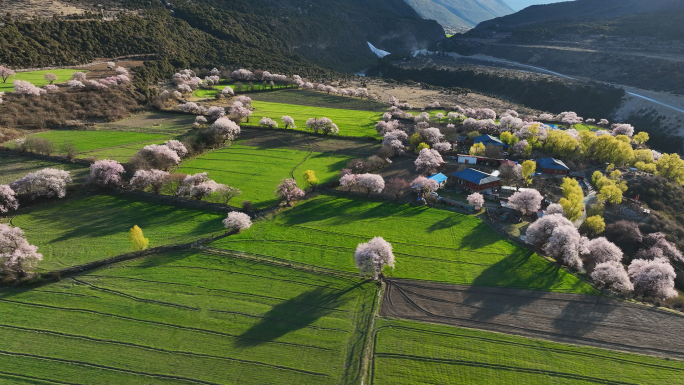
<point x="186" y="317"/>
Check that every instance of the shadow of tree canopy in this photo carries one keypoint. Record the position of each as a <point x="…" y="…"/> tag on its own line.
<point x="294" y="314"/>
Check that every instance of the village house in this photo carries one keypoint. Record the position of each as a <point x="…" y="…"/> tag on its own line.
<point x="475" y="180"/>
<point x="553" y="166"/>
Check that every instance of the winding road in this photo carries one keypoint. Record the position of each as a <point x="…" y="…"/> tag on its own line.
<point x="492" y="59"/>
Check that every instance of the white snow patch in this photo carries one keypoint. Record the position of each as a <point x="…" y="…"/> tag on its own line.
<point x="377" y="51"/>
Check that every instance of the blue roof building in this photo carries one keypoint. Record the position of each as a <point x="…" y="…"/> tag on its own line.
<point x="439" y="178"/>
<point x="475" y="180"/>
<point x="488" y="140"/>
<point x="553" y="166"/>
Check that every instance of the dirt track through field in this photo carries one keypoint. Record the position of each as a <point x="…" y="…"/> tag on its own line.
<point x="571" y="318"/>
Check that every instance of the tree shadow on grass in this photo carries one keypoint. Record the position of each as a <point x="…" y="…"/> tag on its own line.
<point x="340" y="211"/>
<point x="294" y="314"/>
<point x="522" y="269"/>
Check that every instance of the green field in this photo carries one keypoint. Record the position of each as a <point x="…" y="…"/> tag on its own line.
<point x="78" y="231"/>
<point x="153" y="122"/>
<point x="186" y="318"/>
<point x="351" y="122"/>
<point x="14" y="166"/>
<point x="587" y="127"/>
<point x="429" y="244"/>
<point x="86" y="141"/>
<point x="319" y="99"/>
<point x="37" y="78"/>
<point x="408" y="352"/>
<point x="258" y="86"/>
<point x="257" y="170"/>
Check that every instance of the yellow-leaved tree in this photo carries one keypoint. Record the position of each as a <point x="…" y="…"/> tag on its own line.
<point x="138" y="240"/>
<point x="310" y="178"/>
<point x="477" y="149"/>
<point x="573" y="199"/>
<point x="528" y="169"/>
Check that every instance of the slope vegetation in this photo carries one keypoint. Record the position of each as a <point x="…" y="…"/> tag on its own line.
<point x="460" y="13"/>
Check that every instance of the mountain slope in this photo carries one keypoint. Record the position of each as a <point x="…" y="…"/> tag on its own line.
<point x="460" y="14"/>
<point x="639" y="43"/>
<point x="578" y="10"/>
<point x="333" y="34"/>
<point x="518" y="5"/>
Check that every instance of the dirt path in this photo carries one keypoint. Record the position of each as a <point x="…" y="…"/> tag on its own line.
<point x="570" y="318"/>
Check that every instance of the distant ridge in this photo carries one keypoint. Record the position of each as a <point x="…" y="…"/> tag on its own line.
<point x="460" y="14"/>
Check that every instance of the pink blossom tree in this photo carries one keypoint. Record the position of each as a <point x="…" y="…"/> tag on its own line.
<point x="397" y="186"/>
<point x="565" y="245"/>
<point x="431" y="135"/>
<point x="152" y="179"/>
<point x="288" y="121"/>
<point x="602" y="250"/>
<point x="5" y="73"/>
<point x="349" y="181"/>
<point x="428" y="161"/>
<point x="554" y="208"/>
<point x="623" y="129"/>
<point x="48" y="182"/>
<point x="237" y="221"/>
<point x="216" y="112"/>
<point x="476" y="200"/>
<point x="239" y="111"/>
<point x="106" y="173"/>
<point x="268" y="122"/>
<point x="75" y="84"/>
<point x="373" y="183"/>
<point x="178" y="147"/>
<point x="189" y="181"/>
<point x="653" y="278"/>
<point x="8" y="199"/>
<point x="424" y="185"/>
<point x="603" y="122"/>
<point x="50" y="77"/>
<point x="160" y="156"/>
<point x="79" y="76"/>
<point x="51" y="88"/>
<point x="22" y="87"/>
<point x="324" y="125"/>
<point x="228" y="91"/>
<point x="192" y="108"/>
<point x="202" y="190"/>
<point x="16" y="254"/>
<point x="442" y="147"/>
<point x="659" y="246"/>
<point x="373" y="256"/>
<point x="520" y="148"/>
<point x="111" y="65"/>
<point x="121" y="71"/>
<point x="612" y="274"/>
<point x="242" y="74"/>
<point x="539" y="232"/>
<point x="527" y="201"/>
<point x="225" y="129"/>
<point x="288" y="190"/>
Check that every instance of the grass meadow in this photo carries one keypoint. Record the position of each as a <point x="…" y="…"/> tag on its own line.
<point x="186" y="317"/>
<point x="211" y="93"/>
<point x="351" y="122"/>
<point x="86" y="141"/>
<point x="407" y="352"/>
<point x="257" y="171"/>
<point x="15" y="166"/>
<point x="169" y="123"/>
<point x="319" y="99"/>
<point x="77" y="231"/>
<point x="429" y="244"/>
<point x="37" y="78"/>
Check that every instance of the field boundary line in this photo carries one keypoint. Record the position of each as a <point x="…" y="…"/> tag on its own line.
<point x="277" y="261"/>
<point x="369" y="351"/>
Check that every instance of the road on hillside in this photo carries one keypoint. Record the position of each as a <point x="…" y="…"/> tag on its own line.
<point x="485" y="58"/>
<point x="570" y="318"/>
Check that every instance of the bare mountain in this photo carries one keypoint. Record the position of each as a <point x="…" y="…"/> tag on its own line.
<point x="460" y="14"/>
<point x="638" y="43"/>
<point x="517" y="5"/>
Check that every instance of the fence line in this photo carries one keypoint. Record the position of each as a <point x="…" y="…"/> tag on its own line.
<point x="343" y="137"/>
